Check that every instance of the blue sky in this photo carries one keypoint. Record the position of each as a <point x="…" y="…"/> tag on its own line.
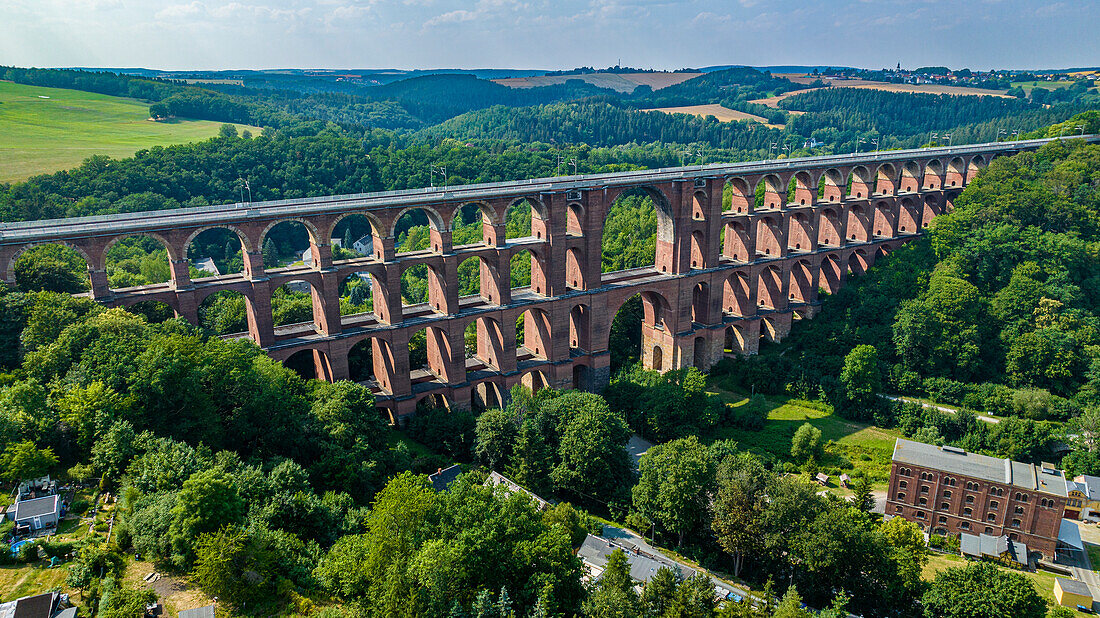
<point x="223" y="34"/>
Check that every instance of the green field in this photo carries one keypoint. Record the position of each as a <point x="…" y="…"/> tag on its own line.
<point x="1027" y="86"/>
<point x="48" y="129"/>
<point x="1042" y="580"/>
<point x="850" y="445"/>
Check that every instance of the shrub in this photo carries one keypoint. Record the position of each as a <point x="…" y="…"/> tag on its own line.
<point x="79" y="506"/>
<point x="28" y="552"/>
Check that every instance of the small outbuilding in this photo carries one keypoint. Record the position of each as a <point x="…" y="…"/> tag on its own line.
<point x="1072" y="593"/>
<point x="37" y="514"/>
<point x="996" y="548"/>
<point x="199" y="612"/>
<point x="443" y="477"/>
<point x="845" y="480"/>
<point x="822" y="479"/>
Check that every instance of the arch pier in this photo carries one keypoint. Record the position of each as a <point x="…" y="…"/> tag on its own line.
<point x="729" y="270"/>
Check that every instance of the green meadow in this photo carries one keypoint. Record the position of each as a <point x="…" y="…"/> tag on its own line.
<point x="44" y="130"/>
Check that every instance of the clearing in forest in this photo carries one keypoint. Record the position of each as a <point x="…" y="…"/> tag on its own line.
<point x="44" y="130"/>
<point x="723" y="114"/>
<point x="864" y="84"/>
<point x="622" y="82"/>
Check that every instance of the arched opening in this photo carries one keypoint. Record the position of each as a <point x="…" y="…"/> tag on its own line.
<point x="737" y="197"/>
<point x="931" y="210"/>
<point x="154" y="311"/>
<point x="698" y="250"/>
<point x="699" y="203"/>
<point x="908" y="217"/>
<point x="859" y="182"/>
<point x="472" y="225"/>
<point x="418" y="229"/>
<point x="580" y="325"/>
<point x="769" y="291"/>
<point x="881" y="252"/>
<point x="310" y="364"/>
<point x="977" y="164"/>
<point x="769" y="237"/>
<point x="800" y="191"/>
<point x="534" y="380"/>
<point x="582" y="378"/>
<point x="700" y="303"/>
<point x="372" y="359"/>
<point x="801" y="286"/>
<point x="352" y="237"/>
<point x="131" y="261"/>
<point x="574" y="223"/>
<point x="533" y="334"/>
<point x="638" y="324"/>
<point x="527" y="273"/>
<point x="484" y="345"/>
<point x="857" y="223"/>
<point x="735" y="241"/>
<point x="857" y="263"/>
<point x="770" y="192"/>
<point x="658" y="362"/>
<point x="51" y="267"/>
<point x="736" y="298"/>
<point x="295" y="302"/>
<point x="224" y="313"/>
<point x="910" y="177"/>
<point x="356" y="294"/>
<point x="469" y="278"/>
<point x="699" y="354"/>
<point x="831" y="186"/>
<point x="287" y="243"/>
<point x="631" y="231"/>
<point x="768" y="332"/>
<point x="214" y="252"/>
<point x="486" y="396"/>
<point x="933" y="175"/>
<point x="429" y="353"/>
<point x="734" y="341"/>
<point x="523" y="219"/>
<point x="422" y="284"/>
<point x="831" y="274"/>
<point x="886" y="179"/>
<point x="432" y="401"/>
<point x="956" y="173"/>
<point x="883" y="225"/>
<point x="574" y="272"/>
<point x="800" y="232"/>
<point x="830" y="233"/>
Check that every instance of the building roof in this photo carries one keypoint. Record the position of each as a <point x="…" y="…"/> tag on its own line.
<point x="443" y="478"/>
<point x="995" y="470"/>
<point x="1069" y="534"/>
<point x="198" y="612"/>
<point x="26" y="509"/>
<point x="597" y="550"/>
<point x="496" y="478"/>
<point x="66" y="613"/>
<point x="1073" y="586"/>
<point x="37" y="606"/>
<point x="1091" y="483"/>
<point x="980" y="546"/>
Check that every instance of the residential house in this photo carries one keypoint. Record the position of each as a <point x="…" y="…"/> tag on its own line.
<point x="497" y="479"/>
<point x="1088" y="492"/>
<point x="595" y="552"/>
<point x="364" y="246"/>
<point x="45" y="605"/>
<point x="36" y="514"/>
<point x="444" y="477"/>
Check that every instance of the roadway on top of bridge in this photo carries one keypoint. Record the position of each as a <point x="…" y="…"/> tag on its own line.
<point x="30" y="231"/>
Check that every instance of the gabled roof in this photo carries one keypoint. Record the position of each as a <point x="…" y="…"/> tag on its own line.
<point x="983" y="545"/>
<point x="443" y="478"/>
<point x="496" y="478"/>
<point x="1091" y="483"/>
<point x="1070" y="535"/>
<point x="38" y="606"/>
<point x="26" y="509"/>
<point x="597" y="550"/>
<point x="954" y="460"/>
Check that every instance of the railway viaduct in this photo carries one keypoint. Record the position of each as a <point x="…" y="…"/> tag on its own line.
<point x="725" y="274"/>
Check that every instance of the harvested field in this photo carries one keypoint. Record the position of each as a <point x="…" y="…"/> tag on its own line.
<point x="868" y="85"/>
<point x="622" y="82"/>
<point x="724" y="114"/>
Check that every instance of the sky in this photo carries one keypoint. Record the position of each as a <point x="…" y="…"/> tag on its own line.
<point x="548" y="34"/>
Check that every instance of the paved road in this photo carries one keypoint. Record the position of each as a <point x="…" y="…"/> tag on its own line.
<point x="1090" y="534"/>
<point x="941" y="408"/>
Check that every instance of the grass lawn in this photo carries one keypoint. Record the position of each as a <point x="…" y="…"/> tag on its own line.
<point x="1042" y="580"/>
<point x="48" y="129"/>
<point x="23" y="579"/>
<point x="1027" y="86"/>
<point x="850" y="445"/>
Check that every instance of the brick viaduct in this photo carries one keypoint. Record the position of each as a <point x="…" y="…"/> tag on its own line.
<point x="723" y="278"/>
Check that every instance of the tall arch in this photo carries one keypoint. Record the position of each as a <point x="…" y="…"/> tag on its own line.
<point x="485" y="345"/>
<point x="580" y="329"/>
<point x="956" y="173"/>
<point x="858" y="222"/>
<point x="217" y="251"/>
<point x="769" y="291"/>
<point x="288" y="241"/>
<point x="860" y="182"/>
<point x="310" y="363"/>
<point x="734" y="344"/>
<point x="910" y="177"/>
<point x="638" y="222"/>
<point x="769" y="236"/>
<point x="831" y="185"/>
<point x="933" y="175"/>
<point x="737" y="197"/>
<point x="886" y="179"/>
<point x="735" y="241"/>
<point x="801" y="285"/>
<point x="575" y="219"/>
<point x="802" y="190"/>
<point x="55" y="267"/>
<point x="418" y="228"/>
<point x="737" y="295"/>
<point x="355" y="235"/>
<point x="858" y="262"/>
<point x="700" y="303"/>
<point x="472" y="225"/>
<point x="800" y="231"/>
<point x="533" y="334"/>
<point x="882" y="225"/>
<point x="771" y="192"/>
<point x="699" y="250"/>
<point x="830" y="232"/>
<point x="831" y="274"/>
<point x="137" y="260"/>
<point x="908" y="217"/>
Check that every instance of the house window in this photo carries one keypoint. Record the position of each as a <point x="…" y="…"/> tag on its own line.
<point x="903" y="484"/>
<point x="970" y="499"/>
<point x="947" y="493"/>
<point x="943" y="520"/>
<point x="994" y="504"/>
<point x="988" y="530"/>
<point x="924" y="489"/>
<point x="964" y="525"/>
<point x="1019" y="510"/>
<point x="920" y="514"/>
<point x="923" y="501"/>
<point x="991" y="517"/>
<point x="1014" y="536"/>
<point x="968" y="511"/>
<point x="897" y="509"/>
<point x="945" y="506"/>
<point x="1015" y="523"/>
<point x="901" y="497"/>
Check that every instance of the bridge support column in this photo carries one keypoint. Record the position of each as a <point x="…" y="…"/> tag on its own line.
<point x="188" y="309"/>
<point x="322" y="255"/>
<point x="326" y="304"/>
<point x="440" y="241"/>
<point x="181" y="274"/>
<point x="387" y="297"/>
<point x="261" y="325"/>
<point x="101" y="288"/>
<point x="253" y="264"/>
<point x="448" y="286"/>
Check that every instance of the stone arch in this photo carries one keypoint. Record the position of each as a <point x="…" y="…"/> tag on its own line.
<point x="801" y="285"/>
<point x="144" y="265"/>
<point x="858" y="262"/>
<point x="830" y="232"/>
<point x="225" y="312"/>
<point x="769" y="292"/>
<point x="375" y="360"/>
<point x="314" y="234"/>
<point x="377" y="229"/>
<point x="528" y="271"/>
<point x="911" y="177"/>
<point x="534" y="380"/>
<point x="699" y="353"/>
<point x="299" y="235"/>
<point x="665" y="224"/>
<point x="580" y="329"/>
<point x="298" y="301"/>
<point x="574" y="270"/>
<point x="487" y="348"/>
<point x="769" y="237"/>
<point x="771" y="192"/>
<point x="881" y="252"/>
<point x="734" y="344"/>
<point x="831" y="185"/>
<point x="357" y="293"/>
<point x="203" y="262"/>
<point x="698" y="250"/>
<point x="886" y="179"/>
<point x="882" y="226"/>
<point x="956" y="173"/>
<point x="582" y="377"/>
<point x="931" y="209"/>
<point x="406" y="224"/>
<point x="802" y="191"/>
<point x="735" y="240"/>
<point x="575" y="219"/>
<point x="472" y="225"/>
<point x="655" y="313"/>
<point x="976" y="165"/>
<point x="700" y="303"/>
<point x="933" y="174"/>
<point x="800" y="231"/>
<point x="432" y="401"/>
<point x="860" y="182"/>
<point x="310" y="363"/>
<point x="768" y="331"/>
<point x="908" y="217"/>
<point x="830" y="274"/>
<point x="423" y="283"/>
<point x="10" y="271"/>
<point x="858" y="220"/>
<point x="430" y="354"/>
<point x="154" y="311"/>
<point x="700" y="203"/>
<point x="740" y="198"/>
<point x="540" y="214"/>
<point x="658" y="359"/>
<point x="486" y="395"/>
<point x="737" y="295"/>
<point x="471" y="280"/>
<point x="533" y="334"/>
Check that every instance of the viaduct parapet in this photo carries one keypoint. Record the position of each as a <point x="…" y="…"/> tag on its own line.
<point x="723" y="278"/>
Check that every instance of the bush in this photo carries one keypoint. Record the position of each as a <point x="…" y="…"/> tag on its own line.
<point x="451" y="432"/>
<point x="949" y="544"/>
<point x="79" y="506"/>
<point x="58" y="549"/>
<point x="28" y="552"/>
